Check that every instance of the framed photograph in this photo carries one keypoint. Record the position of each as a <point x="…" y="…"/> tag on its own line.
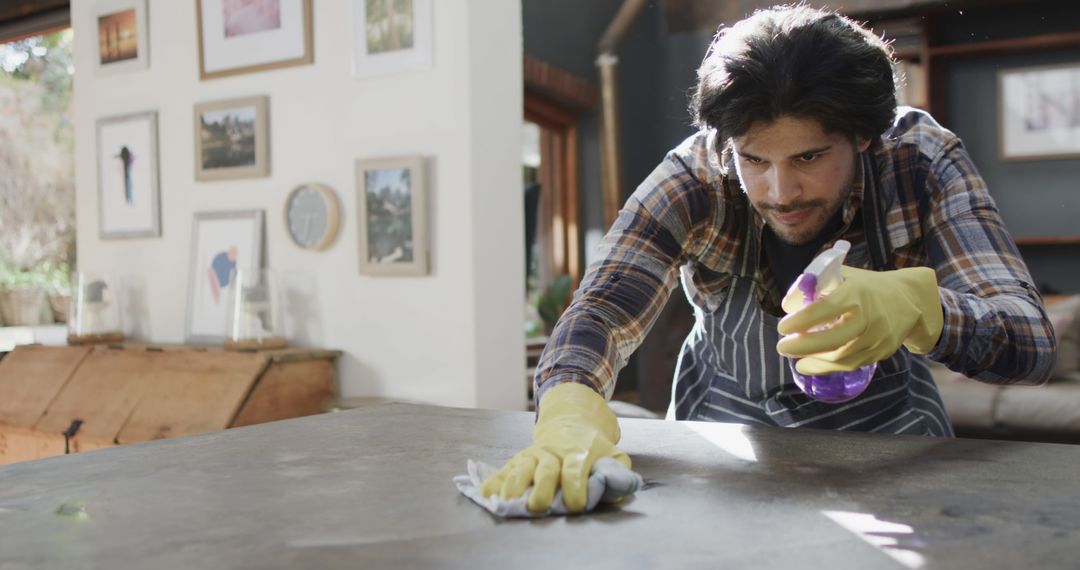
<point x="391" y="36"/>
<point x="1037" y="112"/>
<point x="221" y="243"/>
<point x="122" y="40"/>
<point x="392" y="198"/>
<point x="232" y="139"/>
<point x="242" y="36"/>
<point x="128" y="193"/>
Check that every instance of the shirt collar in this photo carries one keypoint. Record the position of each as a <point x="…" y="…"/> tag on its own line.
<point x="855" y="199"/>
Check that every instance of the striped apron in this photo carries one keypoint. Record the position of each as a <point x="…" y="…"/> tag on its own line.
<point x="729" y="371"/>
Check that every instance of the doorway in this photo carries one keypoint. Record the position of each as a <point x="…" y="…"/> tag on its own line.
<point x="552" y="224"/>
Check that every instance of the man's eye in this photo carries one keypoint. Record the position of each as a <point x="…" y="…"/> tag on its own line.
<point x="753" y="160"/>
<point x="808" y="157"/>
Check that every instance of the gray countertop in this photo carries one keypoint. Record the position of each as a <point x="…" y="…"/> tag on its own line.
<point x="371" y="488"/>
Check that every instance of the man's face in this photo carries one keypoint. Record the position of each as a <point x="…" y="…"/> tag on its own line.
<point x="795" y="174"/>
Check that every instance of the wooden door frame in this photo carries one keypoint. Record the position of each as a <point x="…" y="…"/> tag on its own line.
<point x="559" y="227"/>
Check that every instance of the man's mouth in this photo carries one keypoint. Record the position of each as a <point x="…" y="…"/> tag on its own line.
<point x="792" y="218"/>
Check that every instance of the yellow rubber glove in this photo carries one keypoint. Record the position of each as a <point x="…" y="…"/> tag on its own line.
<point x="878" y="311"/>
<point x="575" y="428"/>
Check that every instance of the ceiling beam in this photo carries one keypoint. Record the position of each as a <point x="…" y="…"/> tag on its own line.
<point x="23" y="18"/>
<point x="11" y="10"/>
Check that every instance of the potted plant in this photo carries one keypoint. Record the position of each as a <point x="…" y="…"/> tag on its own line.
<point x="35" y="245"/>
<point x="58" y="288"/>
<point x="22" y="298"/>
<point x="553" y="301"/>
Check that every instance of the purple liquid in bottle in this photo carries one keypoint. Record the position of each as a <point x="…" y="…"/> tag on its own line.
<point x="835" y="387"/>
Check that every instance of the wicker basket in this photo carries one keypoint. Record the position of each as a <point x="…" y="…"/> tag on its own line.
<point x="61" y="306"/>
<point x="24" y="306"/>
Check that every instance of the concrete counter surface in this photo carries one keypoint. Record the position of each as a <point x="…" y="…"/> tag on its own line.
<point x="371" y="488"/>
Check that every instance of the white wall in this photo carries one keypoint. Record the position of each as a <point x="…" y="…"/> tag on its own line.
<point x="454" y="337"/>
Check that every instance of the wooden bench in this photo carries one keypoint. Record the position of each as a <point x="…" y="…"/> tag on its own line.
<point x="66" y="399"/>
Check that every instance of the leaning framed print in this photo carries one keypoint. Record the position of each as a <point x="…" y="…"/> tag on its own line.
<point x="232" y="139"/>
<point x="123" y="44"/>
<point x="221" y="243"/>
<point x="243" y="36"/>
<point x="391" y="36"/>
<point x="392" y="204"/>
<point x="127" y="165"/>
<point x="1038" y="116"/>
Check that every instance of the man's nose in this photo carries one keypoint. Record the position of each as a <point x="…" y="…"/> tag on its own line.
<point x="784" y="186"/>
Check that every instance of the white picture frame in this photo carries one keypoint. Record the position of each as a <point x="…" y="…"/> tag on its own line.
<point x="243" y="37"/>
<point x="121" y="34"/>
<point x="221" y="242"/>
<point x="391" y="196"/>
<point x="129" y="196"/>
<point x="410" y="46"/>
<point x="240" y="151"/>
<point x="1034" y="114"/>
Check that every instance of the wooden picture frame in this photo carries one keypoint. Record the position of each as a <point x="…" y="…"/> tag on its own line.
<point x="259" y="36"/>
<point x="392" y="37"/>
<point x="1035" y="110"/>
<point x="129" y="193"/>
<point x="232" y="139"/>
<point x="121" y="34"/>
<point x="392" y="212"/>
<point x="221" y="242"/>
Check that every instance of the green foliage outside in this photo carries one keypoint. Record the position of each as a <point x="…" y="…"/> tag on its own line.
<point x="553" y="301"/>
<point x="37" y="188"/>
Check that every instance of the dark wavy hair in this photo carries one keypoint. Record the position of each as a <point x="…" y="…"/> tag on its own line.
<point x="798" y="61"/>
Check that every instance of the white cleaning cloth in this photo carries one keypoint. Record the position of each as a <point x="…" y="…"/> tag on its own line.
<point x="610" y="482"/>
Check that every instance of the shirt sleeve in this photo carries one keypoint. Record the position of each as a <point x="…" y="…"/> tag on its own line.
<point x="624" y="290"/>
<point x="996" y="329"/>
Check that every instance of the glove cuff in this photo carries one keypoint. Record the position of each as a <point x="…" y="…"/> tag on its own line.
<point x="924" y="335"/>
<point x="578" y="403"/>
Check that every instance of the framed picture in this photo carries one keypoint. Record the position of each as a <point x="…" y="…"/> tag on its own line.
<point x="221" y="243"/>
<point x="128" y="193"/>
<point x="391" y="36"/>
<point x="123" y="44"/>
<point x="232" y="139"/>
<point x="242" y="36"/>
<point x="1037" y="112"/>
<point x="392" y="198"/>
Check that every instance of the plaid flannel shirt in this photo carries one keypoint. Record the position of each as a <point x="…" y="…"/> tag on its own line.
<point x="939" y="214"/>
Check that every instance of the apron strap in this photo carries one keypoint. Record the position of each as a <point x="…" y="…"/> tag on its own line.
<point x="875" y="227"/>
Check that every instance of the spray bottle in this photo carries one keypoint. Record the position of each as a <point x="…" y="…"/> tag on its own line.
<point x="821" y="277"/>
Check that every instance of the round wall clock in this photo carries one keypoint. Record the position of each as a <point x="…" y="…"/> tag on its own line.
<point x="312" y="216"/>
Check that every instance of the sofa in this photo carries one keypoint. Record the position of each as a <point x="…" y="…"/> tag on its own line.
<point x="1050" y="412"/>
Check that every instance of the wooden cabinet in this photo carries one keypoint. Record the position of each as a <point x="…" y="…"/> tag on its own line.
<point x="56" y="400"/>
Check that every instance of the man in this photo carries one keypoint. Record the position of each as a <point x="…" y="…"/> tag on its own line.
<point x="800" y="144"/>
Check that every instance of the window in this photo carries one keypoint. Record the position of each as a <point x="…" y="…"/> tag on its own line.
<point x="37" y="187"/>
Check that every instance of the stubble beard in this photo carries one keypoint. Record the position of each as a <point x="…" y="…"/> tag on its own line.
<point x="809" y="230"/>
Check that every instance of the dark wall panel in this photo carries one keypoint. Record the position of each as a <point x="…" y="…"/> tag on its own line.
<point x="1039" y="197"/>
